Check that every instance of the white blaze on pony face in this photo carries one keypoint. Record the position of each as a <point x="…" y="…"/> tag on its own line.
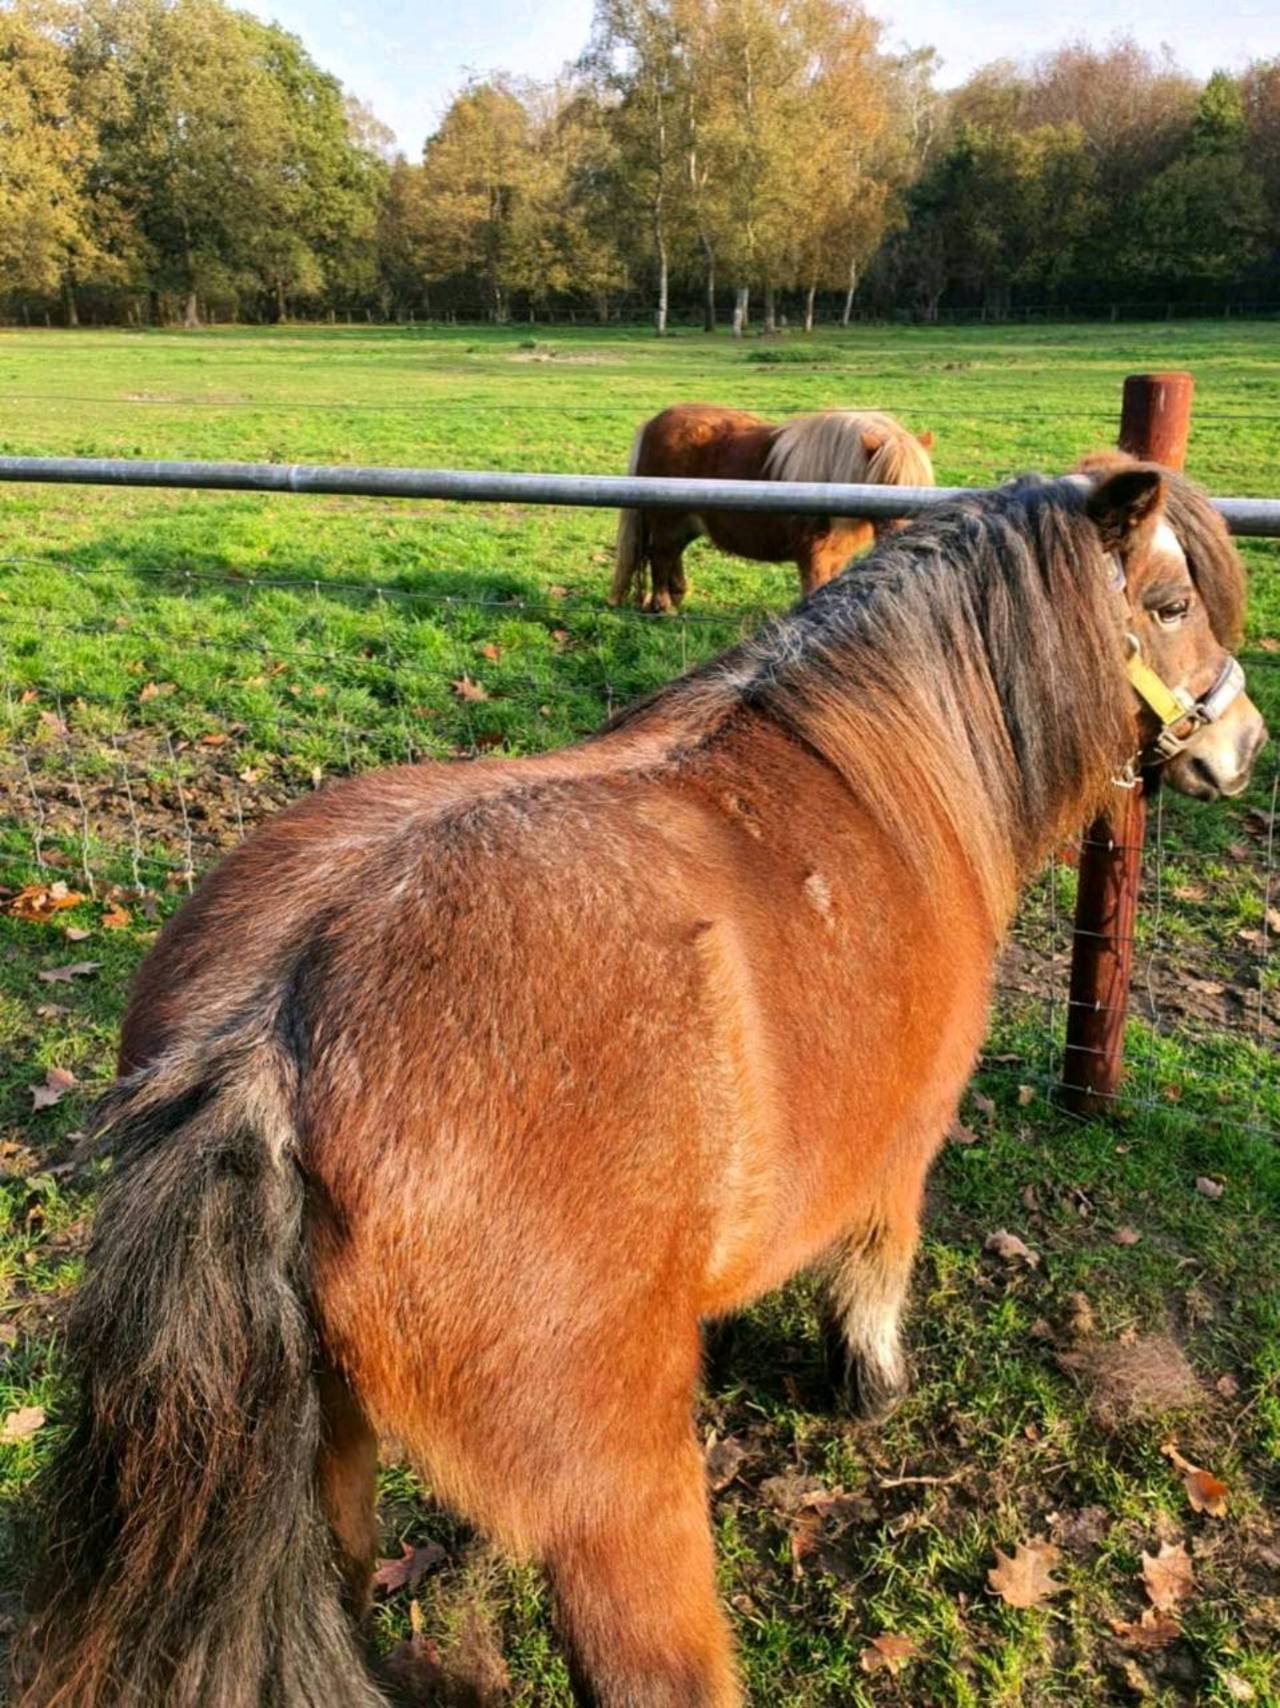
<point x="1172" y="628"/>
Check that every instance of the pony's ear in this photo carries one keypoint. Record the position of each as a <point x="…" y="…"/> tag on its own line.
<point x="1123" y="504"/>
<point x="926" y="439"/>
<point x="871" y="444"/>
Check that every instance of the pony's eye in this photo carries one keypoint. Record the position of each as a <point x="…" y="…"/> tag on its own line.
<point x="1172" y="614"/>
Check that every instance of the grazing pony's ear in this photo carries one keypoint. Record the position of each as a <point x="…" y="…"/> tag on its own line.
<point x="871" y="444"/>
<point x="1124" y="504"/>
<point x="925" y="439"/>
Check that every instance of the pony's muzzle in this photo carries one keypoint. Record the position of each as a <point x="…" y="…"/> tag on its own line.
<point x="1220" y="759"/>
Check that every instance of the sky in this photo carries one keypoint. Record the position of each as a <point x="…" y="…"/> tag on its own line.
<point x="406" y="61"/>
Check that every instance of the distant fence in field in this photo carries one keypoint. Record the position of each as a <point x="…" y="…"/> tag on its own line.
<point x="408" y="675"/>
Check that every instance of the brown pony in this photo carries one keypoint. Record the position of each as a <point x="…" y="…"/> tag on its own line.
<point x="704" y="442"/>
<point x="459" y="1096"/>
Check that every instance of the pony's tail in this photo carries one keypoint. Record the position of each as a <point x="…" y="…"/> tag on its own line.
<point x="189" y="1561"/>
<point x="631" y="549"/>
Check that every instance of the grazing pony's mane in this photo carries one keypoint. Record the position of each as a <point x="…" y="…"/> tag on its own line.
<point x="848" y="445"/>
<point x="966" y="677"/>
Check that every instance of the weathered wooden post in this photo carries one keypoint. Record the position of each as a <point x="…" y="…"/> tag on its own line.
<point x="1155" y="421"/>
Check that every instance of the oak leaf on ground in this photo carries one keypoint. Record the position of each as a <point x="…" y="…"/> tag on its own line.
<point x="1153" y="1630"/>
<point x="21" y="1425"/>
<point x="1168" y="1576"/>
<point x="73" y="970"/>
<point x="1206" y="1492"/>
<point x="466" y="689"/>
<point x="413" y="1562"/>
<point x="1026" y="1579"/>
<point x="888" y="1653"/>
<point x="1011" y="1248"/>
<point x="57" y="1083"/>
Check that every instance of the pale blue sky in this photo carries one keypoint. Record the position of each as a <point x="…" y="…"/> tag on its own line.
<point x="406" y="61"/>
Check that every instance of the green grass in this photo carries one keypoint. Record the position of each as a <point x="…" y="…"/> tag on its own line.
<point x="176" y="665"/>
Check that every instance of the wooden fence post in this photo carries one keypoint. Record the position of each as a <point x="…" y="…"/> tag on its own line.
<point x="1155" y="421"/>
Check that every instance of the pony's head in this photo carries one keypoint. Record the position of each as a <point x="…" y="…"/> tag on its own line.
<point x="895" y="457"/>
<point x="1182" y="583"/>
<point x="855" y="446"/>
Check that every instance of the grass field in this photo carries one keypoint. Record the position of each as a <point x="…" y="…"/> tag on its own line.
<point x="176" y="665"/>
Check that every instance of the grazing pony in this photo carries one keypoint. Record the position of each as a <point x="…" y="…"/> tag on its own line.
<point x="704" y="442"/>
<point x="460" y="1095"/>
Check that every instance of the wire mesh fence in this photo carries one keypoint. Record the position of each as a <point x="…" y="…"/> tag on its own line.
<point x="153" y="714"/>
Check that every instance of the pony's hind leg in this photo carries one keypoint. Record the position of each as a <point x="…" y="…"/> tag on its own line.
<point x="867" y="1287"/>
<point x="634" y="1581"/>
<point x="347" y="1475"/>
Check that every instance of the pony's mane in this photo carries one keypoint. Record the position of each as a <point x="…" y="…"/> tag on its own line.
<point x="829" y="446"/>
<point x="1215" y="564"/>
<point x="965" y="679"/>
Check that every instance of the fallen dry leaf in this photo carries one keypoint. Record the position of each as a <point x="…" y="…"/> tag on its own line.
<point x="490" y="651"/>
<point x="1209" y="1188"/>
<point x="723" y="1459"/>
<point x="888" y="1653"/>
<point x="1026" y="1094"/>
<point x="116" y="918"/>
<point x="982" y="1103"/>
<point x="53" y="723"/>
<point x="1237" y="1688"/>
<point x="1125" y="1236"/>
<point x="1168" y="1576"/>
<point x="73" y="970"/>
<point x="21" y="1425"/>
<point x="1206" y="1492"/>
<point x="413" y="1562"/>
<point x="1154" y="1630"/>
<point x="57" y="1083"/>
<point x="38" y="902"/>
<point x="1026" y="1580"/>
<point x="1011" y="1248"/>
<point x="959" y="1134"/>
<point x="75" y="933"/>
<point x="156" y="690"/>
<point x="466" y="689"/>
<point x="1227" y="1386"/>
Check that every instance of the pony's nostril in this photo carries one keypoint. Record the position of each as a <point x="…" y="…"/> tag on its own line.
<point x="1205" y="775"/>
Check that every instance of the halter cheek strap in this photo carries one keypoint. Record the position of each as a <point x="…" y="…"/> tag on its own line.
<point x="1179" y="710"/>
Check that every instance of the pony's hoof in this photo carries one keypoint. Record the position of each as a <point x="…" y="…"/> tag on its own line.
<point x="863" y="1390"/>
<point x="870" y="1396"/>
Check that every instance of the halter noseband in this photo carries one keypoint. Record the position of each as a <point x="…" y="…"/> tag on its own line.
<point x="1176" y="708"/>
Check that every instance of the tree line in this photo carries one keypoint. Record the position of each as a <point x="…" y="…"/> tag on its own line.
<point x="166" y="160"/>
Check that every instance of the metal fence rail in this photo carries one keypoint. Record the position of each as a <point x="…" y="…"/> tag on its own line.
<point x="1246" y="516"/>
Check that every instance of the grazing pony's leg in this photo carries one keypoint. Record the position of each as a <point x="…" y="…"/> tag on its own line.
<point x="668" y="535"/>
<point x="635" y="1588"/>
<point x="868" y="1283"/>
<point x="821" y="557"/>
<point x="347" y="1473"/>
